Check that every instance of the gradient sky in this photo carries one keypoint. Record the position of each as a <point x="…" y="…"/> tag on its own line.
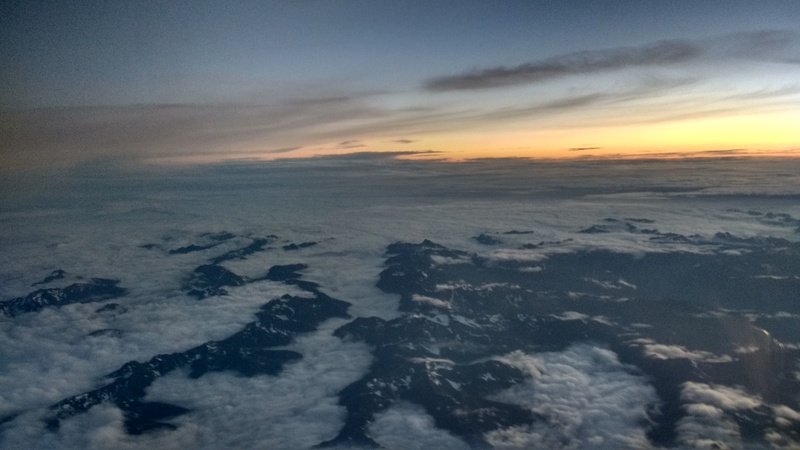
<point x="180" y="81"/>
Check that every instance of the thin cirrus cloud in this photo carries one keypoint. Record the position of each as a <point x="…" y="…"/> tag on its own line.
<point x="648" y="90"/>
<point x="755" y="45"/>
<point x="63" y="137"/>
<point x="333" y="122"/>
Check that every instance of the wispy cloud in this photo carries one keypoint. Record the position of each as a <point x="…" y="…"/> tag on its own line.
<point x="584" y="62"/>
<point x="282" y="150"/>
<point x="350" y="144"/>
<point x="375" y="156"/>
<point x="583" y="149"/>
<point x="63" y="137"/>
<point x="756" y="45"/>
<point x="56" y="138"/>
<point x="646" y="91"/>
<point x="699" y="154"/>
<point x="764" y="44"/>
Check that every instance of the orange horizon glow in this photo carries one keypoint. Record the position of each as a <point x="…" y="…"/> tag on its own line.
<point x="772" y="134"/>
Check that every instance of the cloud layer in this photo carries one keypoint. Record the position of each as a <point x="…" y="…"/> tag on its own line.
<point x="122" y="225"/>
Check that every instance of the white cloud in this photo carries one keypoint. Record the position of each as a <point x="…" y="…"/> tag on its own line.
<point x="447" y="260"/>
<point x="571" y="315"/>
<point x="702" y="432"/>
<point x="722" y="397"/>
<point x="662" y="351"/>
<point x="741" y="350"/>
<point x="786" y="412"/>
<point x="297" y="409"/>
<point x="707" y="423"/>
<point x="435" y="302"/>
<point x="702" y="409"/>
<point x="588" y="399"/>
<point x="616" y="285"/>
<point x="407" y="426"/>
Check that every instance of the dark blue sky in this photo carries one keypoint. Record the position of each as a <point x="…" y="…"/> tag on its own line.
<point x="381" y="56"/>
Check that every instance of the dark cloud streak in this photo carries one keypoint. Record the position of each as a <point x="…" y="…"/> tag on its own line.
<point x="282" y="150"/>
<point x="350" y="144"/>
<point x="579" y="63"/>
<point x="775" y="45"/>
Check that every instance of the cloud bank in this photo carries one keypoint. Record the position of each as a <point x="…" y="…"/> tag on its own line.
<point x="105" y="225"/>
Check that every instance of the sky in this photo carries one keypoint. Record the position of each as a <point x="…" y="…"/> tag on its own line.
<point x="118" y="82"/>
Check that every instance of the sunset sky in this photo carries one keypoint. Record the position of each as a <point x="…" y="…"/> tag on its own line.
<point x="205" y="81"/>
